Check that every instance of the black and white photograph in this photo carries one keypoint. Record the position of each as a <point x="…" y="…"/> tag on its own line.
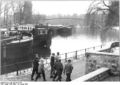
<point x="59" y="41"/>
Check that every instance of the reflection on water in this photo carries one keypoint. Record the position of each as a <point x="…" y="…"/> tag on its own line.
<point x="110" y="35"/>
<point x="73" y="43"/>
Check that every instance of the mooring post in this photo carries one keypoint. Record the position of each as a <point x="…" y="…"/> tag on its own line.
<point x="17" y="69"/>
<point x="76" y="55"/>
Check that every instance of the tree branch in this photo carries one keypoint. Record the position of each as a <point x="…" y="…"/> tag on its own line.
<point x="99" y="9"/>
<point x="105" y="4"/>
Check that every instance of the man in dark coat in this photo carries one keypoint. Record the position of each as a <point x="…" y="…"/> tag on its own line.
<point x="68" y="70"/>
<point x="35" y="66"/>
<point x="59" y="68"/>
<point x="52" y="61"/>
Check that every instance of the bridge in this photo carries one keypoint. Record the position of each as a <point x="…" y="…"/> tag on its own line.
<point x="64" y="21"/>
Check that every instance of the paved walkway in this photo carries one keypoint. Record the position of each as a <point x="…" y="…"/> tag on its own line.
<point x="79" y="70"/>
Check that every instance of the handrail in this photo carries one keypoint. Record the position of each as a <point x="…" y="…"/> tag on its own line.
<point x="16" y="63"/>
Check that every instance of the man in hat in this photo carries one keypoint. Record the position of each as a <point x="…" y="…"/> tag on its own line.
<point x="52" y="61"/>
<point x="68" y="70"/>
<point x="35" y="66"/>
<point x="58" y="68"/>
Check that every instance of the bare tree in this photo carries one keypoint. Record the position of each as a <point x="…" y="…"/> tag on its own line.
<point x="13" y="7"/>
<point x="109" y="11"/>
<point x="17" y="9"/>
<point x="0" y="7"/>
<point x="8" y="9"/>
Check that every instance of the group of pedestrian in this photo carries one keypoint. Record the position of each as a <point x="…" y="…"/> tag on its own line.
<point x="57" y="68"/>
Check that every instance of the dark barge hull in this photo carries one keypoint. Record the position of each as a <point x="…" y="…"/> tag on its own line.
<point x="13" y="54"/>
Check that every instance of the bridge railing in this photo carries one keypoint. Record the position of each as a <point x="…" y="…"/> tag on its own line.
<point x="78" y="54"/>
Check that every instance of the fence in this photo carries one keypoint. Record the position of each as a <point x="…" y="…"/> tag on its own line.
<point x="69" y="55"/>
<point x="77" y="54"/>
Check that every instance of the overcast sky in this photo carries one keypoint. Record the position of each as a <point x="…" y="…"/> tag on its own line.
<point x="60" y="7"/>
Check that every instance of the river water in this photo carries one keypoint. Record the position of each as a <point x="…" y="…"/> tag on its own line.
<point x="78" y="41"/>
<point x="73" y="43"/>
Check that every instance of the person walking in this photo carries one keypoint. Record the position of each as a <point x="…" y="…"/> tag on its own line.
<point x="59" y="68"/>
<point x="68" y="70"/>
<point x="52" y="61"/>
<point x="41" y="70"/>
<point x="35" y="66"/>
